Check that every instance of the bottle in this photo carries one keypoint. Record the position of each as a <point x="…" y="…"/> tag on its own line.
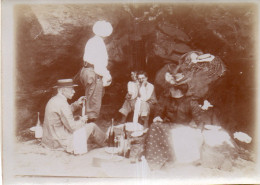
<point x="125" y="134"/>
<point x="112" y="134"/>
<point x="38" y="128"/>
<point x="113" y="139"/>
<point x="109" y="138"/>
<point x="121" y="145"/>
<point x="127" y="148"/>
<point x="126" y="144"/>
<point x="83" y="108"/>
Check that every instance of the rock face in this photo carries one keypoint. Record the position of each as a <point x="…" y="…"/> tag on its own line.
<point x="50" y="41"/>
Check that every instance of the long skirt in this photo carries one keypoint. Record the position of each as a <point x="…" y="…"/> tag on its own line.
<point x="158" y="150"/>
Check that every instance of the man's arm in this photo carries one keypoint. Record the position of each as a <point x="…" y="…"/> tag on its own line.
<point x="148" y="93"/>
<point x="68" y="119"/>
<point x="77" y="104"/>
<point x="74" y="106"/>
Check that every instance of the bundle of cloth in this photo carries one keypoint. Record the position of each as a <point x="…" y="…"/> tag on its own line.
<point x="196" y="69"/>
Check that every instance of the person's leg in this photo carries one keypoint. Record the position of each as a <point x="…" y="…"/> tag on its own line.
<point x="145" y="111"/>
<point x="94" y="94"/>
<point x="125" y="110"/>
<point x="98" y="135"/>
<point x="97" y="98"/>
<point x="88" y="79"/>
<point x="145" y="121"/>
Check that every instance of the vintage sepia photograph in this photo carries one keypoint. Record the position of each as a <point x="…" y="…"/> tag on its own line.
<point x="130" y="92"/>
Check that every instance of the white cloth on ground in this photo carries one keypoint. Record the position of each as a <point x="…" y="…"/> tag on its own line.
<point x="79" y="141"/>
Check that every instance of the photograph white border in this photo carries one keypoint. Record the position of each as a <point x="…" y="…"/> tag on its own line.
<point x="7" y="108"/>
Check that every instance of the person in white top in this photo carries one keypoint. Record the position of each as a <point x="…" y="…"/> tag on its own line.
<point x="144" y="92"/>
<point x="132" y="93"/>
<point x="95" y="75"/>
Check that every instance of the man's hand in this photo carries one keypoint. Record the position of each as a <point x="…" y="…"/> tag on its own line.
<point x="206" y="105"/>
<point x="169" y="78"/>
<point x="128" y="96"/>
<point x="81" y="100"/>
<point x="144" y="84"/>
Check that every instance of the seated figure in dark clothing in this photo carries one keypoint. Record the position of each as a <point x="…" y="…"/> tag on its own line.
<point x="174" y="108"/>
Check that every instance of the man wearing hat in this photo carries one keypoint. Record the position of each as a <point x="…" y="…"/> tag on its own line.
<point x="59" y="123"/>
<point x="94" y="75"/>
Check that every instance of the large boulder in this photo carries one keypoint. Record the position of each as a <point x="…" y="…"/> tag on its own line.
<point x="212" y="148"/>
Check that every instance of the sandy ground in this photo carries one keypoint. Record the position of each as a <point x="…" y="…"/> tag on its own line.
<point x="32" y="160"/>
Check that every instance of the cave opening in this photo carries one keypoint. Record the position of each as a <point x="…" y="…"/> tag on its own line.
<point x="42" y="58"/>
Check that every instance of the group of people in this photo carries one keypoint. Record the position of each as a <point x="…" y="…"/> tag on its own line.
<point x="140" y="98"/>
<point x="173" y="106"/>
<point x="59" y="123"/>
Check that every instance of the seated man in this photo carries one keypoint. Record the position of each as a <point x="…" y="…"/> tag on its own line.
<point x="144" y="91"/>
<point x="59" y="124"/>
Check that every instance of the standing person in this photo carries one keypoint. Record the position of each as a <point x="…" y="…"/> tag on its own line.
<point x="94" y="74"/>
<point x="146" y="95"/>
<point x="59" y="124"/>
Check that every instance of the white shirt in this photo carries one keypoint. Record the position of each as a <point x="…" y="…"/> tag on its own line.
<point x="96" y="52"/>
<point x="132" y="88"/>
<point x="146" y="92"/>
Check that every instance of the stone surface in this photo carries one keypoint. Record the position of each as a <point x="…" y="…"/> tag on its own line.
<point x="174" y="32"/>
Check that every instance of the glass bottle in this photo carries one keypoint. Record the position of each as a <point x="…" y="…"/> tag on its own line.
<point x="38" y="128"/>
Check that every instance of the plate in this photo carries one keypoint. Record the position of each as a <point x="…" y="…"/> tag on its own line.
<point x="212" y="127"/>
<point x="132" y="127"/>
<point x="137" y="133"/>
<point x="111" y="150"/>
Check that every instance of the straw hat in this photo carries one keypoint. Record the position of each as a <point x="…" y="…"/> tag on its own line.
<point x="65" y="83"/>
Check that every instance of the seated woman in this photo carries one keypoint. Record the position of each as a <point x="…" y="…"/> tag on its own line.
<point x="173" y="107"/>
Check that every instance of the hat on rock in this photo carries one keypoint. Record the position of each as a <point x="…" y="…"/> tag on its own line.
<point x="65" y="83"/>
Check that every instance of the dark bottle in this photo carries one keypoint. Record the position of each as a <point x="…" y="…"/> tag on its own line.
<point x="109" y="139"/>
<point x="127" y="154"/>
<point x="126" y="144"/>
<point x="112" y="134"/>
<point x="125" y="134"/>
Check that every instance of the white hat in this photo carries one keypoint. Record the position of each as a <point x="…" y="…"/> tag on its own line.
<point x="102" y="28"/>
